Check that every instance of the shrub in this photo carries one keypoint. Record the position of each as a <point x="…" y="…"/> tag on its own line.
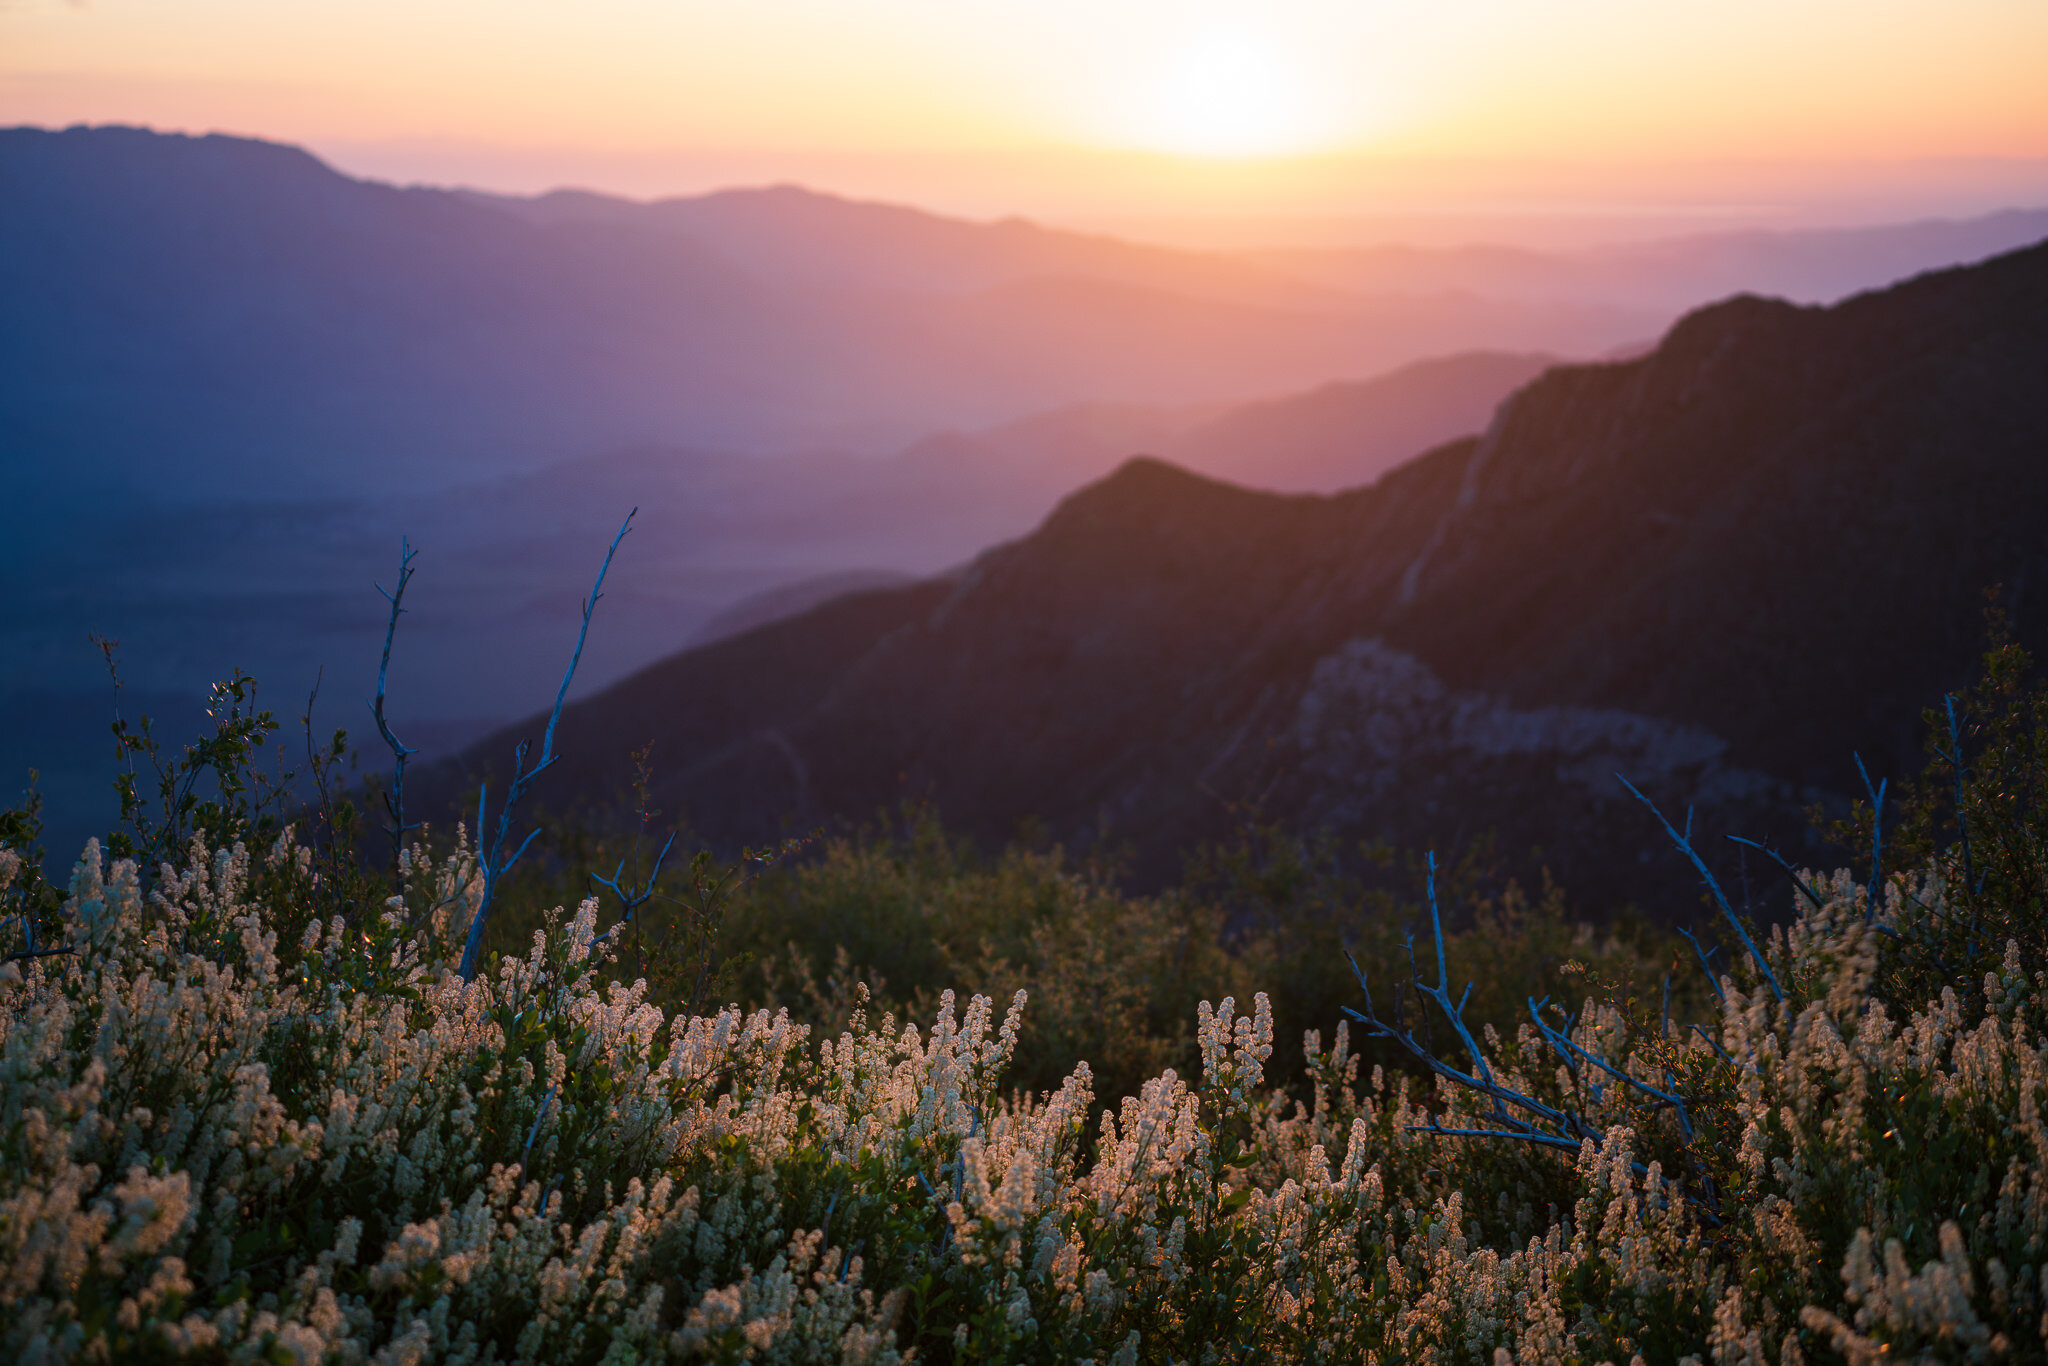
<point x="1116" y="978"/>
<point x="233" y="1130"/>
<point x="253" y="1107"/>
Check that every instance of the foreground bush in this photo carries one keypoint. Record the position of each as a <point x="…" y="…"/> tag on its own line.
<point x="231" y="1129"/>
<point x="1117" y="977"/>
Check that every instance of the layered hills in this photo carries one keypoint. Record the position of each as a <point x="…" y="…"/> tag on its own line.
<point x="215" y="316"/>
<point x="231" y="378"/>
<point x="207" y="315"/>
<point x="1721" y="568"/>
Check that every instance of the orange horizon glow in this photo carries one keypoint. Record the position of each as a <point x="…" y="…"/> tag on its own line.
<point x="1124" y="109"/>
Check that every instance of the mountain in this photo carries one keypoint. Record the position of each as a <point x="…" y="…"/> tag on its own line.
<point x="207" y="317"/>
<point x="1719" y="568"/>
<point x="1336" y="436"/>
<point x="232" y="378"/>
<point x="1348" y="433"/>
<point x="282" y="587"/>
<point x="793" y="235"/>
<point x="792" y="599"/>
<point x="1674" y="274"/>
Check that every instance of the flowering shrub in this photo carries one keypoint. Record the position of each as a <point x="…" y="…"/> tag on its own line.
<point x="235" y="1128"/>
<point x="1117" y="977"/>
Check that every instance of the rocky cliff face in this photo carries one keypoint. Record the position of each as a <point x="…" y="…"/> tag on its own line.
<point x="1719" y="569"/>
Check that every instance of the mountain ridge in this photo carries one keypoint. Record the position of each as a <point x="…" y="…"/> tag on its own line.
<point x="1608" y="578"/>
<point x="219" y="302"/>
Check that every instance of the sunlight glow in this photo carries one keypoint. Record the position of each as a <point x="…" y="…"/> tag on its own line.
<point x="1132" y="107"/>
<point x="1225" y="92"/>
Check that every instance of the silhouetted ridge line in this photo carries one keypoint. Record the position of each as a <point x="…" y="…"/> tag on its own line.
<point x="1720" y="568"/>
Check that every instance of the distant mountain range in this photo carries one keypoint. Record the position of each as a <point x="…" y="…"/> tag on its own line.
<point x="213" y="314"/>
<point x="1677" y="273"/>
<point x="231" y="378"/>
<point x="1719" y="568"/>
<point x="199" y="316"/>
<point x="1336" y="436"/>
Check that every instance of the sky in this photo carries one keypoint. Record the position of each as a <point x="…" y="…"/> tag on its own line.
<point x="1333" y="111"/>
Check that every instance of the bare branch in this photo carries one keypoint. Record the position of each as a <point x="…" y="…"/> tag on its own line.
<point x="631" y="899"/>
<point x="24" y="955"/>
<point x="394" y="800"/>
<point x="1777" y="858"/>
<point x="1876" y="839"/>
<point x="1684" y="843"/>
<point x="1480" y="1079"/>
<point x="494" y="867"/>
<point x="1514" y="1114"/>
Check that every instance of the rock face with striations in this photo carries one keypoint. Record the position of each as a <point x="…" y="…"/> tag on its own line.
<point x="1720" y="568"/>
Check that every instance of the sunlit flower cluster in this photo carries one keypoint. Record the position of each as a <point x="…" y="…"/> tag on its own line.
<point x="233" y="1130"/>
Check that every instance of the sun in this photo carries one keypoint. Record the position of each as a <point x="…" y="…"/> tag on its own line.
<point x="1223" y="92"/>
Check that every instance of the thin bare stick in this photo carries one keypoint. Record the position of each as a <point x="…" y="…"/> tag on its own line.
<point x="492" y="862"/>
<point x="1684" y="843"/>
<point x="394" y="800"/>
<point x="1509" y="1113"/>
<point x="30" y="954"/>
<point x="1786" y="868"/>
<point x="631" y="898"/>
<point x="1705" y="966"/>
<point x="1876" y="839"/>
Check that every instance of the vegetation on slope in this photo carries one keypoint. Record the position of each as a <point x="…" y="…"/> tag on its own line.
<point x="249" y="1110"/>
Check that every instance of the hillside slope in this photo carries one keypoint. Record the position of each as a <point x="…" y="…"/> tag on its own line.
<point x="1779" y="526"/>
<point x="1720" y="568"/>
